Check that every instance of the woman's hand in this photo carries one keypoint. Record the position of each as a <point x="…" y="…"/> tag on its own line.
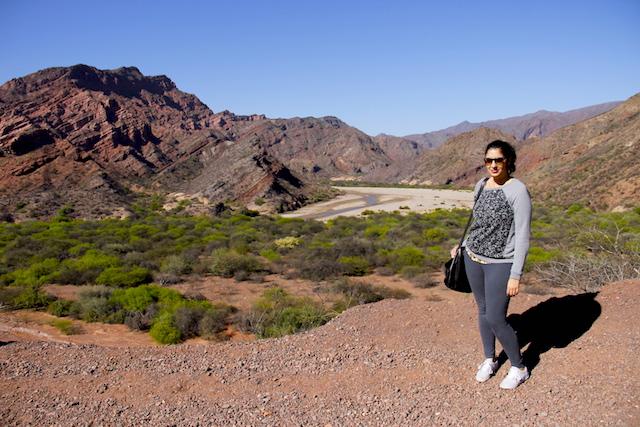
<point x="513" y="287"/>
<point x="454" y="250"/>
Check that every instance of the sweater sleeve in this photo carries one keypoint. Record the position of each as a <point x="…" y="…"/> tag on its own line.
<point x="476" y="189"/>
<point x="522" y="220"/>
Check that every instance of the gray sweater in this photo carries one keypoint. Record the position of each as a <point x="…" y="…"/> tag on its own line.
<point x="501" y="225"/>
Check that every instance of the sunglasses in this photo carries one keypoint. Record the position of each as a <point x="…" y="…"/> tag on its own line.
<point x="498" y="160"/>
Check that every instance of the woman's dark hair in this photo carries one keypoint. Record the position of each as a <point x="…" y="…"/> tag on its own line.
<point x="508" y="152"/>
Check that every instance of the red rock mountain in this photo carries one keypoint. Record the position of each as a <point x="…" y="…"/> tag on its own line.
<point x="89" y="137"/>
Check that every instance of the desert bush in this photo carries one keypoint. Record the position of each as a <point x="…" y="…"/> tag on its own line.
<point x="410" y="271"/>
<point x="538" y="255"/>
<point x="435" y="235"/>
<point x="318" y="268"/>
<point x="141" y="320"/>
<point x="436" y="256"/>
<point x="164" y="331"/>
<point x="125" y="277"/>
<point x="586" y="273"/>
<point x="424" y="280"/>
<point x="356" y="293"/>
<point x="270" y="254"/>
<point x="175" y="265"/>
<point x="214" y="321"/>
<point x="186" y="319"/>
<point x="96" y="291"/>
<point x="227" y="263"/>
<point x="59" y="308"/>
<point x="165" y="279"/>
<point x="8" y="295"/>
<point x="354" y="265"/>
<point x="288" y="242"/>
<point x="385" y="271"/>
<point x="31" y="297"/>
<point x="277" y="313"/>
<point x="36" y="274"/>
<point x="67" y="327"/>
<point x="406" y="256"/>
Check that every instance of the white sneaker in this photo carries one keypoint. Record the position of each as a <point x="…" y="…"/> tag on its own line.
<point x="514" y="378"/>
<point x="486" y="370"/>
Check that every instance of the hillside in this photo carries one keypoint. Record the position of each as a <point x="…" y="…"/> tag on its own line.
<point x="91" y="137"/>
<point x="538" y="124"/>
<point x="595" y="162"/>
<point x="396" y="362"/>
<point x="458" y="161"/>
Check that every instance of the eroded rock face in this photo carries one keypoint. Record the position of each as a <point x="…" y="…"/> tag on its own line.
<point x="86" y="136"/>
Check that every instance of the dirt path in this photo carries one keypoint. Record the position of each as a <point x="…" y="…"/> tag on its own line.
<point x="408" y="362"/>
<point x="358" y="199"/>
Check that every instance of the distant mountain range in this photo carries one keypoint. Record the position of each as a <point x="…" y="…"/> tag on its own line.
<point x="538" y="124"/>
<point x="98" y="138"/>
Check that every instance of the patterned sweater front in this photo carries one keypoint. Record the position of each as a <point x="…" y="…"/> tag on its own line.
<point x="501" y="225"/>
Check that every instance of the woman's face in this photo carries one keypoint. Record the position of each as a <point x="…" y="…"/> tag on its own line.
<point x="496" y="163"/>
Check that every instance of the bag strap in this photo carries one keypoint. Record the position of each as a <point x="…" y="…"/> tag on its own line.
<point x="471" y="215"/>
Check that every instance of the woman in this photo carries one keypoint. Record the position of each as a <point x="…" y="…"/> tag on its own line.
<point x="494" y="254"/>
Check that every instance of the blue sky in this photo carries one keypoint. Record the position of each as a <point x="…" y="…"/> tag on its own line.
<point x="395" y="67"/>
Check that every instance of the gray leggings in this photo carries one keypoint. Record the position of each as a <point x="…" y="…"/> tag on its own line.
<point x="489" y="285"/>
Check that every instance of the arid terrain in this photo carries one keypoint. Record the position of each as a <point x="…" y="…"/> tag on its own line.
<point x="396" y="362"/>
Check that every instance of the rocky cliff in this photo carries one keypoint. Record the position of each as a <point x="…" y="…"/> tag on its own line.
<point x="90" y="137"/>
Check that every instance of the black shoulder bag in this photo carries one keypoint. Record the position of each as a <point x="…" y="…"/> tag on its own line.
<point x="455" y="277"/>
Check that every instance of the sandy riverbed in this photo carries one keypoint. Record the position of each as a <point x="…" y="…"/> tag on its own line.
<point x="358" y="199"/>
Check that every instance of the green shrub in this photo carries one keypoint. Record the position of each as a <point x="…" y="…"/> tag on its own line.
<point x="122" y="276"/>
<point x="60" y="307"/>
<point x="277" y="313"/>
<point x="97" y="310"/>
<point x="377" y="230"/>
<point x="354" y="265"/>
<point x="164" y="331"/>
<point x="538" y="255"/>
<point x="175" y="264"/>
<point x="31" y="297"/>
<point x="227" y="263"/>
<point x="406" y="256"/>
<point x="356" y="293"/>
<point x="36" y="274"/>
<point x="294" y="319"/>
<point x="270" y="254"/>
<point x="435" y="235"/>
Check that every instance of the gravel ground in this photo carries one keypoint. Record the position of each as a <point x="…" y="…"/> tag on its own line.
<point x="408" y="362"/>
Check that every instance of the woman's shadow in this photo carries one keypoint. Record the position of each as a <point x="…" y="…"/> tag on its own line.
<point x="553" y="323"/>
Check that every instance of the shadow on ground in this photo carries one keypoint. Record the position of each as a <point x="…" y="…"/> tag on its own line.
<point x="553" y="323"/>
